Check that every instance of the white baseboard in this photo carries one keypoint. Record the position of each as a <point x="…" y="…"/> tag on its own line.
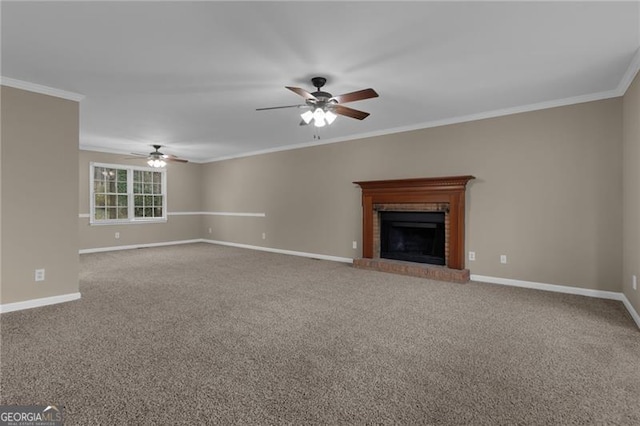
<point x="36" y="303"/>
<point x="601" y="294"/>
<point x="612" y="295"/>
<point x="280" y="251"/>
<point x="137" y="246"/>
<point x="549" y="287"/>
<point x="222" y="243"/>
<point x="632" y="311"/>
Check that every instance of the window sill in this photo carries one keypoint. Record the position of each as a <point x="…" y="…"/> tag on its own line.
<point x="127" y="222"/>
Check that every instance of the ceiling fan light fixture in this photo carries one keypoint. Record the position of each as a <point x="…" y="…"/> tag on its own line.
<point x="157" y="163"/>
<point x="330" y="117"/>
<point x="307" y="116"/>
<point x="325" y="106"/>
<point x="318" y="117"/>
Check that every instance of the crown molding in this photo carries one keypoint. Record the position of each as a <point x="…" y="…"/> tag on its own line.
<point x="103" y="150"/>
<point x="38" y="88"/>
<point x="438" y="123"/>
<point x="620" y="90"/>
<point x="629" y="75"/>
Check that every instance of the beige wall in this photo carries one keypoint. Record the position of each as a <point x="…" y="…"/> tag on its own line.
<point x="547" y="194"/>
<point x="39" y="180"/>
<point x="184" y="186"/>
<point x="631" y="183"/>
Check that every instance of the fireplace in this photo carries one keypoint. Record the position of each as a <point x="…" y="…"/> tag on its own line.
<point x="415" y="227"/>
<point x="413" y="236"/>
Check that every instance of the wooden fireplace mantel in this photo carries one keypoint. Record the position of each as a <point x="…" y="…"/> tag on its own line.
<point x="450" y="190"/>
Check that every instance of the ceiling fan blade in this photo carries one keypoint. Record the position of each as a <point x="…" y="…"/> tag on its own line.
<point x="356" y="96"/>
<point x="349" y="112"/>
<point x="167" y="157"/>
<point x="302" y="93"/>
<point x="279" y="107"/>
<point x="176" y="159"/>
<point x="303" y="123"/>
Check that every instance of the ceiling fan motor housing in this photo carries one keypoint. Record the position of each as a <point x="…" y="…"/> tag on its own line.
<point x="323" y="100"/>
<point x="318" y="82"/>
<point x="322" y="97"/>
<point x="156" y="153"/>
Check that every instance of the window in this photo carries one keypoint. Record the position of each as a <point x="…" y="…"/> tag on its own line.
<point x="122" y="194"/>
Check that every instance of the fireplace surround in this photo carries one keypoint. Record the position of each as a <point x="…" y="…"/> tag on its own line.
<point x="444" y="195"/>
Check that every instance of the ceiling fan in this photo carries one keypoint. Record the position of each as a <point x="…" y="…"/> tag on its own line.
<point x="158" y="159"/>
<point x="323" y="107"/>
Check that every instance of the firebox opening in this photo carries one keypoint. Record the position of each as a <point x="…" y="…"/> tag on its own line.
<point x="413" y="236"/>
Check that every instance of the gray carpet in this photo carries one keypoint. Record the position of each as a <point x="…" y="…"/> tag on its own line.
<point x="204" y="334"/>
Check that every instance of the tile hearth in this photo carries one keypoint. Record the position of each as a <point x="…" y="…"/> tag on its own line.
<point x="420" y="270"/>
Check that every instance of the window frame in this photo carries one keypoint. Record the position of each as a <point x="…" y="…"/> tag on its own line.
<point x="131" y="219"/>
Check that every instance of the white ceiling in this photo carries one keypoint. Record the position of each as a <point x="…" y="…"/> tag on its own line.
<point x="189" y="75"/>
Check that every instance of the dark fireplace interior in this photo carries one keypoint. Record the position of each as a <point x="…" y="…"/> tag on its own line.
<point x="413" y="236"/>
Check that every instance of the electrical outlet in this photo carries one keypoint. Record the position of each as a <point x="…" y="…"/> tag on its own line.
<point x="117" y="235"/>
<point x="472" y="255"/>
<point x="355" y="245"/>
<point x="39" y="275"/>
<point x="264" y="235"/>
<point x="503" y="258"/>
<point x="209" y="230"/>
<point x="634" y="282"/>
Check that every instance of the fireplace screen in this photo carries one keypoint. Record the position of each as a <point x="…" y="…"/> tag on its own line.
<point x="413" y="236"/>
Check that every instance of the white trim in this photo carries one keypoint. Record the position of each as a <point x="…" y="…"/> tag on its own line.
<point x="548" y="287"/>
<point x="601" y="294"/>
<point x="239" y="214"/>
<point x="222" y="243"/>
<point x="38" y="88"/>
<point x="183" y="213"/>
<point x="436" y="123"/>
<point x="84" y="147"/>
<point x="36" y="303"/>
<point x="620" y="90"/>
<point x="280" y="251"/>
<point x="629" y="75"/>
<point x="114" y="222"/>
<point x="235" y="214"/>
<point x="138" y="246"/>
<point x="92" y="148"/>
<point x="632" y="311"/>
